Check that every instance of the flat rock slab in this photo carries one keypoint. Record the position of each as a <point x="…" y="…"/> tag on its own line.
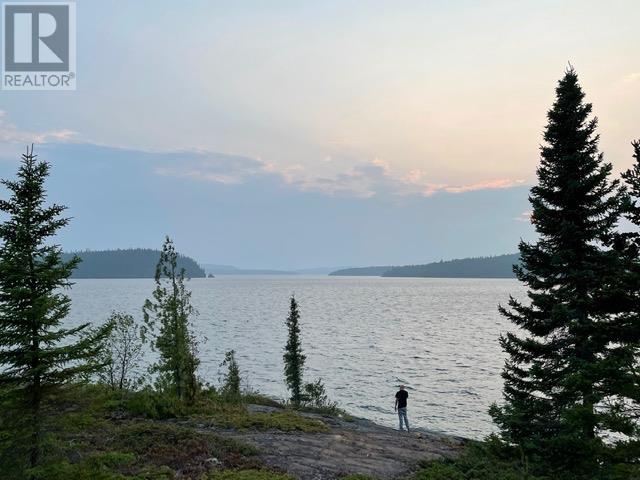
<point x="351" y="447"/>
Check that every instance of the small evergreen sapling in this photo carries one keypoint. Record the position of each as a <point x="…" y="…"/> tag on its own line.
<point x="232" y="379"/>
<point x="293" y="357"/>
<point x="168" y="324"/>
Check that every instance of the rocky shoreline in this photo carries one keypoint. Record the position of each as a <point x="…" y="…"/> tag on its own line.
<point x="351" y="446"/>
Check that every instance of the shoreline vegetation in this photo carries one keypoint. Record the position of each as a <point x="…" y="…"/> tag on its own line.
<point x="73" y="407"/>
<point x="499" y="266"/>
<point x="126" y="263"/>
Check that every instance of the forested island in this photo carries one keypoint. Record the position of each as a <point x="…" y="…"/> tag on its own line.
<point x="126" y="263"/>
<point x="500" y="266"/>
<point x="361" y="272"/>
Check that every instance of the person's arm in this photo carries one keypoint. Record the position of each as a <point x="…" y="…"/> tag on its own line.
<point x="395" y="406"/>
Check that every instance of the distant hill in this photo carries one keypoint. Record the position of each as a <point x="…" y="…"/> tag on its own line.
<point x="500" y="266"/>
<point x="361" y="272"/>
<point x="130" y="263"/>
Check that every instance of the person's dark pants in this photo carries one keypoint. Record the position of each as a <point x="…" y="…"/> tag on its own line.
<point x="402" y="417"/>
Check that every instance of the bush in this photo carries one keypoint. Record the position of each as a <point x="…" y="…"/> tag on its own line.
<point x="490" y="460"/>
<point x="494" y="460"/>
<point x="257" y="398"/>
<point x="315" y="395"/>
<point x="156" y="405"/>
<point x="96" y="467"/>
<point x="315" y="400"/>
<point x="123" y="352"/>
<point x="231" y="381"/>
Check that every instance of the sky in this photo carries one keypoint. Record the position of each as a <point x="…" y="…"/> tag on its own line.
<point x="277" y="134"/>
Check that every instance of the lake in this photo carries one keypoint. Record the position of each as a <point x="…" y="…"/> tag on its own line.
<point x="362" y="335"/>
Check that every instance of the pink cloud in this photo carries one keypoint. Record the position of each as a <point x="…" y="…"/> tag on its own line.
<point x="11" y="134"/>
<point x="489" y="185"/>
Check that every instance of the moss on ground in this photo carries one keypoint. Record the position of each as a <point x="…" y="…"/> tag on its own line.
<point x="212" y="410"/>
<point x="92" y="435"/>
<point x="285" y="421"/>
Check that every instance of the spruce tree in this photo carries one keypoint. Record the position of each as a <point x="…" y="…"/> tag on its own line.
<point x="632" y="181"/>
<point x="627" y="244"/>
<point x="560" y="367"/>
<point x="231" y="381"/>
<point x="37" y="354"/>
<point x="293" y="356"/>
<point x="171" y="313"/>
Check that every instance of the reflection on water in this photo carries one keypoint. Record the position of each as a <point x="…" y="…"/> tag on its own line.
<point x="363" y="336"/>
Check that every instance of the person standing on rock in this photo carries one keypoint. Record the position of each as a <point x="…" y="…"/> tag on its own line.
<point x="401" y="407"/>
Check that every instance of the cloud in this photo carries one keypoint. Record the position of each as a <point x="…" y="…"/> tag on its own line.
<point x="631" y="78"/>
<point x="250" y="225"/>
<point x="490" y="185"/>
<point x="336" y="175"/>
<point x="218" y="168"/>
<point x="365" y="180"/>
<point x="360" y="180"/>
<point x="376" y="177"/>
<point x="9" y="133"/>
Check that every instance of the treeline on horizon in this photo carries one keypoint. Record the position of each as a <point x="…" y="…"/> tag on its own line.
<point x="126" y="263"/>
<point x="500" y="266"/>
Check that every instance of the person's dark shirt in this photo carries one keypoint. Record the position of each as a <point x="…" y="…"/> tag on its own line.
<point x="402" y="396"/>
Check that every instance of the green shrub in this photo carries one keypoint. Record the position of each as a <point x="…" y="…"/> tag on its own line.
<point x="493" y="460"/>
<point x="96" y="467"/>
<point x="489" y="460"/>
<point x="257" y="398"/>
<point x="157" y="405"/>
<point x="214" y="409"/>
<point x="231" y="381"/>
<point x="122" y="353"/>
<point x="315" y="395"/>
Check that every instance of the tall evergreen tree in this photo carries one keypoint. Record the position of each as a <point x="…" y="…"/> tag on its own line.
<point x="632" y="181"/>
<point x="558" y="375"/>
<point x="37" y="354"/>
<point x="293" y="357"/>
<point x="628" y="323"/>
<point x="171" y="311"/>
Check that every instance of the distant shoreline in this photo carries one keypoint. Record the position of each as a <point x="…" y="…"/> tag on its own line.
<point x="500" y="266"/>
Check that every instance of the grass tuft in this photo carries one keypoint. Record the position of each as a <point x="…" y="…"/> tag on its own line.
<point x="248" y="475"/>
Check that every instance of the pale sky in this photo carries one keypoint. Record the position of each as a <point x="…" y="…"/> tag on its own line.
<point x="359" y="99"/>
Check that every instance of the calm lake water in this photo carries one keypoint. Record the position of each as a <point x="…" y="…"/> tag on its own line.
<point x="362" y="335"/>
